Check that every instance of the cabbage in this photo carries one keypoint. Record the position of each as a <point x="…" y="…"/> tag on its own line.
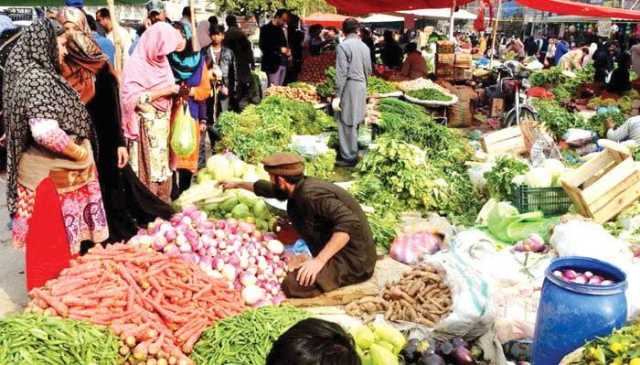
<point x="220" y="168"/>
<point x="240" y="211"/>
<point x="203" y="176"/>
<point x="539" y="177"/>
<point x="556" y="168"/>
<point x="260" y="209"/>
<point x="239" y="167"/>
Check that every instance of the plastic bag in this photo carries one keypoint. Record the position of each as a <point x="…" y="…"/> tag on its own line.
<point x="472" y="314"/>
<point x="408" y="248"/>
<point x="183" y="138"/>
<point x="310" y="145"/>
<point x="588" y="239"/>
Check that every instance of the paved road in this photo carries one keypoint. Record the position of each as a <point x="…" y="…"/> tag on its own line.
<point x="13" y="293"/>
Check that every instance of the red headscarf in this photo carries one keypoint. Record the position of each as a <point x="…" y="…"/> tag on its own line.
<point x="148" y="69"/>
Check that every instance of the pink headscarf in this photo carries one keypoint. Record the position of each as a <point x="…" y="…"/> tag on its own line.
<point x="147" y="69"/>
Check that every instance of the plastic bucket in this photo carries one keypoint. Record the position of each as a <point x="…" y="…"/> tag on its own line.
<point x="571" y="314"/>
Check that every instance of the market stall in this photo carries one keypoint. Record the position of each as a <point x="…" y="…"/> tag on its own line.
<point x="491" y="239"/>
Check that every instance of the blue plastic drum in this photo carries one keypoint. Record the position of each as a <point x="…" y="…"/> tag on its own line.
<point x="571" y="314"/>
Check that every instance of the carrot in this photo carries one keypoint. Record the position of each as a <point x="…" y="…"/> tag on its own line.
<point x="130" y="298"/>
<point x="56" y="304"/>
<point x="188" y="326"/>
<point x="187" y="347"/>
<point x="78" y="301"/>
<point x="202" y="291"/>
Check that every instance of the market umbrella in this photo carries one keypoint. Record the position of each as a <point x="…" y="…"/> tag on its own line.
<point x="325" y="19"/>
<point x="58" y="3"/>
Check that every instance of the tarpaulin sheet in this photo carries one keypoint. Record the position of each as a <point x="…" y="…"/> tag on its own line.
<point x="385" y="6"/>
<point x="326" y="20"/>
<point x="564" y="7"/>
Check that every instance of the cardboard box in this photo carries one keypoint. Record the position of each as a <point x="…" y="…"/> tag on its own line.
<point x="497" y="107"/>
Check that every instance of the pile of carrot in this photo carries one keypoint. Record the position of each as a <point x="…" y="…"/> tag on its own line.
<point x="158" y="305"/>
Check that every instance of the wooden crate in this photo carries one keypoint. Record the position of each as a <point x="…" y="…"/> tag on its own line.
<point x="505" y="141"/>
<point x="445" y="59"/>
<point x="605" y="185"/>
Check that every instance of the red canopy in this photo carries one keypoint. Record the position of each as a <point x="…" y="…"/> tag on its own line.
<point x="325" y="19"/>
<point x="385" y="6"/>
<point x="564" y="7"/>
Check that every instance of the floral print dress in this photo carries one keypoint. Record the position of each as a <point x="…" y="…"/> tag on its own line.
<point x="82" y="209"/>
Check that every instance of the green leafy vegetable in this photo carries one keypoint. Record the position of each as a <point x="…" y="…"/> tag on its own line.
<point x="558" y="119"/>
<point x="321" y="166"/>
<point x="376" y="86"/>
<point x="499" y="179"/>
<point x="328" y="88"/>
<point x="267" y="128"/>
<point x="430" y="93"/>
<point x="383" y="227"/>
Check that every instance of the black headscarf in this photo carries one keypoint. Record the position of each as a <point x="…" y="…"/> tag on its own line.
<point x="34" y="88"/>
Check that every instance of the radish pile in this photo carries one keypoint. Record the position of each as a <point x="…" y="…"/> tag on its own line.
<point x="587" y="277"/>
<point x="231" y="250"/>
<point x="158" y="305"/>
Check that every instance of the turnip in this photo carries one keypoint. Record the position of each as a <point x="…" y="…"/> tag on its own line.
<point x="170" y="235"/>
<point x="185" y="247"/>
<point x="607" y="282"/>
<point x="248" y="279"/>
<point x="588" y="274"/>
<point x="229" y="272"/>
<point x="275" y="247"/>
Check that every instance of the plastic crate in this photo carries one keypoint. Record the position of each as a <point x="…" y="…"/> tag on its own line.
<point x="551" y="201"/>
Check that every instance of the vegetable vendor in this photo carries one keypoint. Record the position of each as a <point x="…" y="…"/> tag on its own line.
<point x="328" y="218"/>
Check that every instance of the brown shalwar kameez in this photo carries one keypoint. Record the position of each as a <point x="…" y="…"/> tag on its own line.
<point x="318" y="209"/>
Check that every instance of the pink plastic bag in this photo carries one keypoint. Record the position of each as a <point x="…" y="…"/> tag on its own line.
<point x="409" y="248"/>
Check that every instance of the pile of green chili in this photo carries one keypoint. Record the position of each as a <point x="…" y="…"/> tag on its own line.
<point x="245" y="339"/>
<point x="34" y="339"/>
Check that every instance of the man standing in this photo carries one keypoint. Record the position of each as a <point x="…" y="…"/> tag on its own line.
<point x="273" y="44"/>
<point x="353" y="66"/>
<point x="236" y="40"/>
<point x="327" y="218"/>
<point x="103" y="16"/>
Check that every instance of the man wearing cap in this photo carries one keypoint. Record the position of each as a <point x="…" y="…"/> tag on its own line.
<point x="328" y="218"/>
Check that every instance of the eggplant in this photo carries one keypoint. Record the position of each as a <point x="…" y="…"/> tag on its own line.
<point x="432" y="359"/>
<point x="462" y="356"/>
<point x="410" y="353"/>
<point x="446" y="348"/>
<point x="458" y="341"/>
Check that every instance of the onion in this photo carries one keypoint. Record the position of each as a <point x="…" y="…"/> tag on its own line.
<point x="607" y="282"/>
<point x="595" y="280"/>
<point x="588" y="274"/>
<point x="580" y="279"/>
<point x="252" y="294"/>
<point x="569" y="274"/>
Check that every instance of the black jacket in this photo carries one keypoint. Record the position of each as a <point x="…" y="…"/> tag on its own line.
<point x="272" y="39"/>
<point x="239" y="44"/>
<point x="228" y="65"/>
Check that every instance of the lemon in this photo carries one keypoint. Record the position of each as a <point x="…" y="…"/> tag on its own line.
<point x="635" y="361"/>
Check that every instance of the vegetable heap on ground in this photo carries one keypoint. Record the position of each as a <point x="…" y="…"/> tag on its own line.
<point x="246" y="259"/>
<point x="303" y="93"/>
<point x="500" y="178"/>
<point x="420" y="296"/>
<point x="245" y="339"/>
<point x="415" y="164"/>
<point x="267" y="128"/>
<point x="430" y="94"/>
<point x="378" y="86"/>
<point x="375" y="85"/>
<point x="558" y="119"/>
<point x="36" y="339"/>
<point x="158" y="304"/>
<point x="621" y="347"/>
<point x="378" y="343"/>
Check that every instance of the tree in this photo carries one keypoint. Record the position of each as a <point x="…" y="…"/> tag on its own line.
<point x="259" y="7"/>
